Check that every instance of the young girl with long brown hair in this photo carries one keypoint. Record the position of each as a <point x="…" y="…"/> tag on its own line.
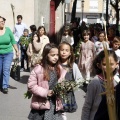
<point x="87" y="53"/>
<point x="45" y="105"/>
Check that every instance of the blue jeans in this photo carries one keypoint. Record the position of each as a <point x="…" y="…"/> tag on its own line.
<point x="5" y="63"/>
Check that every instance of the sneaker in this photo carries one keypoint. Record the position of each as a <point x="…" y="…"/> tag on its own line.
<point x="22" y="69"/>
<point x="5" y="90"/>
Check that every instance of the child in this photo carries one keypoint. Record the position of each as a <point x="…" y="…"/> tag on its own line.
<point x="34" y="49"/>
<point x="111" y="35"/>
<point x="67" y="62"/>
<point x="87" y="53"/>
<point x="67" y="37"/>
<point x="43" y="37"/>
<point x="24" y="41"/>
<point x="96" y="34"/>
<point x="115" y="47"/>
<point x="95" y="107"/>
<point x="99" y="44"/>
<point x="42" y="80"/>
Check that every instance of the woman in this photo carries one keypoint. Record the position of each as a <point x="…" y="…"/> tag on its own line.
<point x="43" y="37"/>
<point x="6" y="54"/>
<point x="33" y="50"/>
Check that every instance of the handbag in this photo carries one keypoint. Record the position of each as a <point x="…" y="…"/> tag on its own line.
<point x="15" y="70"/>
<point x="69" y="102"/>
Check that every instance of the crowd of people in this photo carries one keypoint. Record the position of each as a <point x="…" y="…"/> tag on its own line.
<point x="50" y="64"/>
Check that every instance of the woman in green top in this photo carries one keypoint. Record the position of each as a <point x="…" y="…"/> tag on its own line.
<point x="6" y="54"/>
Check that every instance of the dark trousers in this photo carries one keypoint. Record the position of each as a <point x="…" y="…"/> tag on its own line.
<point x="23" y="58"/>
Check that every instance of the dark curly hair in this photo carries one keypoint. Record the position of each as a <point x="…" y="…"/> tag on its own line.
<point x="99" y="58"/>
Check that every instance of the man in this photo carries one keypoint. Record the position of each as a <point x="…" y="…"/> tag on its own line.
<point x="19" y="28"/>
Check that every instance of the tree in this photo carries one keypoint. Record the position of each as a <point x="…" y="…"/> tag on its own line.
<point x="114" y="4"/>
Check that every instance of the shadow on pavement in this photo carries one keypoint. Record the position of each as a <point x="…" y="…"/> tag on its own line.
<point x="24" y="79"/>
<point x="11" y="87"/>
<point x="84" y="87"/>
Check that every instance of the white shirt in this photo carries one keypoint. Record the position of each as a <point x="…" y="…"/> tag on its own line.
<point x="68" y="39"/>
<point x="117" y="52"/>
<point x="99" y="46"/>
<point x="18" y="30"/>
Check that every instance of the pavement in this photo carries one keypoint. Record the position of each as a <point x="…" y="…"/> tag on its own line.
<point x="15" y="107"/>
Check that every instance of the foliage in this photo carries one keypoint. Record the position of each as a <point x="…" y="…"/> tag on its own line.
<point x="77" y="49"/>
<point x="25" y="41"/>
<point x="61" y="89"/>
<point x="28" y="94"/>
<point x="16" y="61"/>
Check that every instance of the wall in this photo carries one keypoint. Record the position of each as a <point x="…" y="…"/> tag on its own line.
<point x="23" y="7"/>
<point x="42" y="9"/>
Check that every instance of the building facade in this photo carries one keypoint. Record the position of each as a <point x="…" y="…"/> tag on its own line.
<point x="48" y="13"/>
<point x="90" y="11"/>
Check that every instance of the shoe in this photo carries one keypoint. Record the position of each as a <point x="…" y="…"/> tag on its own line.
<point x="5" y="90"/>
<point x="22" y="69"/>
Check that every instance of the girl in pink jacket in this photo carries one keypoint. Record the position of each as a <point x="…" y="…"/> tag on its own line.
<point x="44" y="104"/>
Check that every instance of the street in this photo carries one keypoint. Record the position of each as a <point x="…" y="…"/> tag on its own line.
<point x="15" y="107"/>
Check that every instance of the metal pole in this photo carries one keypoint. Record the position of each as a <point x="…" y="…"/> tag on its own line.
<point x="102" y="13"/>
<point x="107" y="3"/>
<point x="82" y="8"/>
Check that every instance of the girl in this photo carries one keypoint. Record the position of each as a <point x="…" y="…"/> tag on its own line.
<point x="44" y="105"/>
<point x="95" y="107"/>
<point x="111" y="35"/>
<point x="34" y="50"/>
<point x="96" y="34"/>
<point x="67" y="37"/>
<point x="99" y="44"/>
<point x="66" y="60"/>
<point x="87" y="52"/>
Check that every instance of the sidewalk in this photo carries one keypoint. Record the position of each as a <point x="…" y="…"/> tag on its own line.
<point x="14" y="107"/>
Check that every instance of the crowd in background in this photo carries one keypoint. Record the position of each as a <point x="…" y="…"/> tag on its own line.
<point x="79" y="51"/>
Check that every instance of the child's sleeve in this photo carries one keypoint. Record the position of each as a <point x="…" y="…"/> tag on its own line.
<point x="76" y="73"/>
<point x="89" y="99"/>
<point x="87" y="110"/>
<point x="33" y="86"/>
<point x="72" y="40"/>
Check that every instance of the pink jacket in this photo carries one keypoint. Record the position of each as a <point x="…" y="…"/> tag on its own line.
<point x="39" y="87"/>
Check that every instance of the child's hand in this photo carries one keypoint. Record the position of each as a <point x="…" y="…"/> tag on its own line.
<point x="50" y="93"/>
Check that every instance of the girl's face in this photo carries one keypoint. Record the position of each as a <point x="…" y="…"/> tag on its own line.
<point x="53" y="56"/>
<point x="41" y="31"/>
<point x="86" y="37"/>
<point x="113" y="64"/>
<point x="101" y="37"/>
<point x="111" y="32"/>
<point x="65" y="51"/>
<point x="116" y="46"/>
